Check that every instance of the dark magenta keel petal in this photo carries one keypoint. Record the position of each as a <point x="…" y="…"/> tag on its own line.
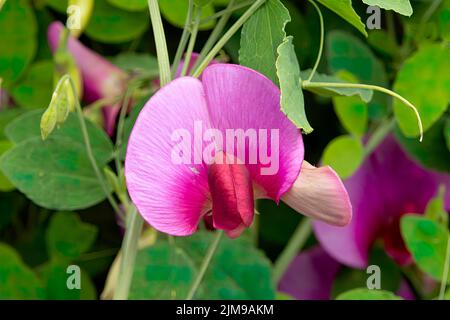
<point x="231" y="192"/>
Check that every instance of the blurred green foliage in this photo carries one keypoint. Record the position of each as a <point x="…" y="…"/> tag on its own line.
<point x="39" y="178"/>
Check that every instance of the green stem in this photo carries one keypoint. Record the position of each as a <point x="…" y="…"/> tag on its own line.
<point x="89" y="151"/>
<point x="206" y="261"/>
<point x="445" y="273"/>
<point x="227" y="36"/>
<point x="307" y="84"/>
<point x="296" y="242"/>
<point x="160" y="41"/>
<point x="214" y="34"/>
<point x="190" y="49"/>
<point x="184" y="39"/>
<point x="227" y="10"/>
<point x="378" y="136"/>
<point x="129" y="252"/>
<point x="120" y="125"/>
<point x="322" y="39"/>
<point x="430" y="11"/>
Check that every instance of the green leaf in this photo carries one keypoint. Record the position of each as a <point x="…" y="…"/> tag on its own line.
<point x="68" y="237"/>
<point x="55" y="173"/>
<point x="352" y="113"/>
<point x="35" y="89"/>
<point x="138" y="63"/>
<point x="427" y="241"/>
<point x="17" y="39"/>
<point x="364" y="94"/>
<point x="175" y="11"/>
<point x="261" y="35"/>
<point x="347" y="52"/>
<point x="27" y="126"/>
<point x="432" y="152"/>
<point x="436" y="208"/>
<point x="366" y="294"/>
<point x="6" y="117"/>
<point x="344" y="9"/>
<point x="425" y="81"/>
<point x="55" y="276"/>
<point x="344" y="154"/>
<point x="400" y="6"/>
<point x="17" y="281"/>
<point x="288" y="71"/>
<point x="237" y="270"/>
<point x="283" y="296"/>
<point x="5" y="184"/>
<point x="111" y="25"/>
<point x="130" y="5"/>
<point x="162" y="272"/>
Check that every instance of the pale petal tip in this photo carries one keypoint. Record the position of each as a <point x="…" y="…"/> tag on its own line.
<point x="320" y="194"/>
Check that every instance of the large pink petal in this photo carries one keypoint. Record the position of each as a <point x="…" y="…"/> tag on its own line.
<point x="240" y="98"/>
<point x="319" y="193"/>
<point x="170" y="196"/>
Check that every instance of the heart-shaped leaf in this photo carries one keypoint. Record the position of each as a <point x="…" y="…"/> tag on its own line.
<point x="17" y="39"/>
<point x="288" y="71"/>
<point x="261" y="35"/>
<point x="427" y="242"/>
<point x="237" y="270"/>
<point x="401" y="6"/>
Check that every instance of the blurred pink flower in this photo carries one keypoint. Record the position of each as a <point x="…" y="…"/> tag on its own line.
<point x="310" y="275"/>
<point x="174" y="197"/>
<point x="101" y="78"/>
<point x="387" y="186"/>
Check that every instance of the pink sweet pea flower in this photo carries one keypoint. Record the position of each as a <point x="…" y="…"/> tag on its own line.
<point x="173" y="196"/>
<point x="387" y="186"/>
<point x="101" y="78"/>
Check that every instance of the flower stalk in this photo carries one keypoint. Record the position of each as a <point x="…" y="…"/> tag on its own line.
<point x="87" y="143"/>
<point x="129" y="251"/>
<point x="206" y="261"/>
<point x="445" y="272"/>
<point x="191" y="45"/>
<point x="160" y="41"/>
<point x="184" y="39"/>
<point x="226" y="37"/>
<point x="296" y="242"/>
<point x="215" y="33"/>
